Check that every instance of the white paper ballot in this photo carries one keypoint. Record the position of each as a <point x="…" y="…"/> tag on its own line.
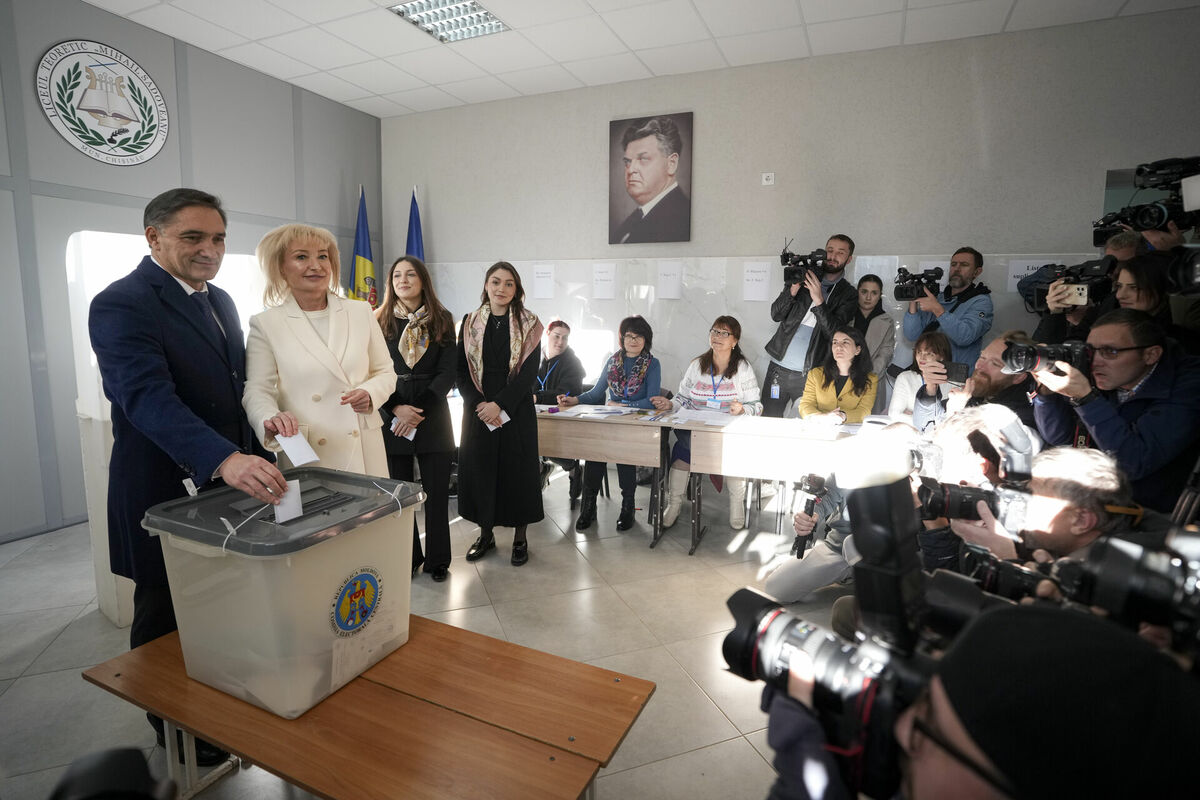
<point x="543" y="281"/>
<point x="396" y="424"/>
<point x="604" y="281"/>
<point x="670" y="280"/>
<point x="290" y="505"/>
<point x="504" y="417"/>
<point x="756" y="278"/>
<point x="297" y="448"/>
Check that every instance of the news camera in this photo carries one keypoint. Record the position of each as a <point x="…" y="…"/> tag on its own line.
<point x="795" y="267"/>
<point x="1090" y="282"/>
<point x="912" y="286"/>
<point x="1031" y="357"/>
<point x="814" y="487"/>
<point x="949" y="500"/>
<point x="1168" y="175"/>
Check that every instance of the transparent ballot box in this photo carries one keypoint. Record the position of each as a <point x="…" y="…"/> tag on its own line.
<point x="282" y="615"/>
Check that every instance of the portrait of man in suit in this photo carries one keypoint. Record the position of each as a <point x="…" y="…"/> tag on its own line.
<point x="648" y="194"/>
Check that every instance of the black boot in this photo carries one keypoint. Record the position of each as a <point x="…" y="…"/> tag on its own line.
<point x="587" y="511"/>
<point x="575" y="486"/>
<point x="625" y="520"/>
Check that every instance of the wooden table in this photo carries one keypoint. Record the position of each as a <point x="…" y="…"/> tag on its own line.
<point x="450" y="714"/>
<point x="633" y="438"/>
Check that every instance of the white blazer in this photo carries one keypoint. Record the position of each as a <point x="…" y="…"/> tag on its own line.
<point x="290" y="368"/>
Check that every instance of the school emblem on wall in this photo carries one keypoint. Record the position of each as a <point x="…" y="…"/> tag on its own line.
<point x="102" y="102"/>
<point x="355" y="602"/>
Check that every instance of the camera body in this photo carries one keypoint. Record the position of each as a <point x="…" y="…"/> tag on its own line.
<point x="1167" y="174"/>
<point x="949" y="500"/>
<point x="1089" y="281"/>
<point x="912" y="286"/>
<point x="1030" y="357"/>
<point x="795" y="267"/>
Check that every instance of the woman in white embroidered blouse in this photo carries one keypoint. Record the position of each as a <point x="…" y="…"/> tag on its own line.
<point x="719" y="380"/>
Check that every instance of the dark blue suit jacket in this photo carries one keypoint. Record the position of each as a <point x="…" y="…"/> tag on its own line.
<point x="176" y="393"/>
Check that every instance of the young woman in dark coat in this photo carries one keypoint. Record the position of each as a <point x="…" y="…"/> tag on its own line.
<point x="499" y="350"/>
<point x="419" y="332"/>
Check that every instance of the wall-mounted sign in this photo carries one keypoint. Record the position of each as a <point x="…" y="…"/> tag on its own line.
<point x="102" y="102"/>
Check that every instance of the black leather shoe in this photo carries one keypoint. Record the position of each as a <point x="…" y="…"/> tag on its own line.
<point x="587" y="513"/>
<point x="440" y="574"/>
<point x="480" y="548"/>
<point x="625" y="520"/>
<point x="207" y="754"/>
<point x="520" y="553"/>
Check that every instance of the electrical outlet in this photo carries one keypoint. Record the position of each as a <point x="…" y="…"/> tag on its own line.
<point x="768" y="179"/>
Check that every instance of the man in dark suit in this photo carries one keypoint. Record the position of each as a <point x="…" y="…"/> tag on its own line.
<point x="172" y="360"/>
<point x="664" y="212"/>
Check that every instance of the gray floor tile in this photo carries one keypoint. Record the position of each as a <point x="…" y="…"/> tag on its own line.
<point x="759" y="740"/>
<point x="53" y="718"/>
<point x="681" y="606"/>
<point x="463" y="589"/>
<point x="731" y="769"/>
<point x="245" y="783"/>
<point x="66" y="545"/>
<point x="551" y="570"/>
<point x="738" y="698"/>
<point x="481" y="619"/>
<point x="31" y="786"/>
<point x="10" y="550"/>
<point x="26" y="635"/>
<point x="89" y="639"/>
<point x="678" y="718"/>
<point x="583" y="625"/>
<point x="720" y="545"/>
<point x="3" y="687"/>
<point x="629" y="558"/>
<point x="38" y="582"/>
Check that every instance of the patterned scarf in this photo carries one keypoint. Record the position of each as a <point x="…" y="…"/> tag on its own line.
<point x="415" y="339"/>
<point x="519" y="347"/>
<point x="624" y="385"/>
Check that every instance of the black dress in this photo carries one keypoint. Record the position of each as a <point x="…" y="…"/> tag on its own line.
<point x="425" y="385"/>
<point x="499" y="481"/>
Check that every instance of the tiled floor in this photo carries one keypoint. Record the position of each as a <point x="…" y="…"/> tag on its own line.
<point x="601" y="596"/>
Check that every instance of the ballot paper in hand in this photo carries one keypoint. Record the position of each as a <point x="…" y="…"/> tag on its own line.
<point x="289" y="506"/>
<point x="297" y="449"/>
<point x="396" y="424"/>
<point x="504" y="417"/>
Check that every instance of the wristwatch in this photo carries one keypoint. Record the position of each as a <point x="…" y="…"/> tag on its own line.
<point x="1087" y="398"/>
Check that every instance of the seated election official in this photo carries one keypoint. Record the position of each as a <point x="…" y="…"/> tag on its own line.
<point x="1141" y="403"/>
<point x="419" y="332"/>
<point x="561" y="372"/>
<point x="924" y="383"/>
<point x="169" y="347"/>
<point x="1093" y="686"/>
<point x="843" y="388"/>
<point x="316" y="362"/>
<point x="719" y="380"/>
<point x="630" y="377"/>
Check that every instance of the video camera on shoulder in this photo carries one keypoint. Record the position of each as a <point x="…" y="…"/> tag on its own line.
<point x="1031" y="357"/>
<point x="1169" y="175"/>
<point x="795" y="267"/>
<point x="1089" y="282"/>
<point x="949" y="500"/>
<point x="912" y="286"/>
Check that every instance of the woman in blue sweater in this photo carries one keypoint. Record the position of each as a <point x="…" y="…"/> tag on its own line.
<point x="631" y="377"/>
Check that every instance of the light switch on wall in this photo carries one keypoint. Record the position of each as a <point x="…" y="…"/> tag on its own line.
<point x="768" y="179"/>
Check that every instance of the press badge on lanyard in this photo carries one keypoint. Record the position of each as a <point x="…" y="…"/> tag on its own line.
<point x="714" y="403"/>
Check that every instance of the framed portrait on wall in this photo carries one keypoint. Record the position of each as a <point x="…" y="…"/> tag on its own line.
<point x="650" y="179"/>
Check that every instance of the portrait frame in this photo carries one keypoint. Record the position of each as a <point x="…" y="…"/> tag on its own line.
<point x="669" y="220"/>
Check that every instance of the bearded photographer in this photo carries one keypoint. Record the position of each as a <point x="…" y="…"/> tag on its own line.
<point x="1091" y="686"/>
<point x="807" y="314"/>
<point x="1141" y="403"/>
<point x="963" y="310"/>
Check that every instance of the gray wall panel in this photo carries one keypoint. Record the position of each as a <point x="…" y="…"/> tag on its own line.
<point x="340" y="150"/>
<point x="5" y="166"/>
<point x="241" y="135"/>
<point x="20" y="480"/>
<point x="43" y="23"/>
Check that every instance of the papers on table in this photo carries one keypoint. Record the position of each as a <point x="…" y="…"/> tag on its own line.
<point x="715" y="418"/>
<point x="297" y="449"/>
<point x="504" y="417"/>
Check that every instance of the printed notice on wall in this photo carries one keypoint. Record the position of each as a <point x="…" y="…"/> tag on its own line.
<point x="756" y="277"/>
<point x="1020" y="267"/>
<point x="670" y="280"/>
<point x="543" y="281"/>
<point x="604" y="281"/>
<point x="883" y="266"/>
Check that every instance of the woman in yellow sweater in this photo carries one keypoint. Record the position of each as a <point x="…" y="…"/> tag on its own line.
<point x="842" y="389"/>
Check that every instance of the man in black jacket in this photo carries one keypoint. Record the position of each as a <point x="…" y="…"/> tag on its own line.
<point x="807" y="314"/>
<point x="561" y="372"/>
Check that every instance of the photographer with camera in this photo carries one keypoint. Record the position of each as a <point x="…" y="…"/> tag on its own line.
<point x="964" y="312"/>
<point x="808" y="310"/>
<point x="992" y="383"/>
<point x="1140" y="403"/>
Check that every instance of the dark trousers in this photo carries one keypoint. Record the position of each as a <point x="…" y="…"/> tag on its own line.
<point x="435" y="480"/>
<point x="593" y="478"/>
<point x="153" y="616"/>
<point x="569" y="465"/>
<point x="791" y="387"/>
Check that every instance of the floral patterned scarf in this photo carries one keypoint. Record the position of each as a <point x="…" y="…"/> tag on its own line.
<point x="623" y="385"/>
<point x="519" y="346"/>
<point x="415" y="339"/>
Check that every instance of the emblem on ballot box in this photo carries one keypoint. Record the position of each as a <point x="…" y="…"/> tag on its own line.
<point x="355" y="601"/>
<point x="102" y="102"/>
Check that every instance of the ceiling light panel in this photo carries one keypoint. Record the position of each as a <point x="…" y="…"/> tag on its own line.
<point x="450" y="20"/>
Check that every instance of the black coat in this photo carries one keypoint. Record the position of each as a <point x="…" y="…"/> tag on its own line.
<point x="788" y="311"/>
<point x="424" y="385"/>
<point x="562" y="374"/>
<point x="176" y="393"/>
<point x="669" y="221"/>
<point x="499" y="472"/>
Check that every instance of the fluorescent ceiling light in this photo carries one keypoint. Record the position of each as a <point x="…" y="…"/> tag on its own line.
<point x="450" y="20"/>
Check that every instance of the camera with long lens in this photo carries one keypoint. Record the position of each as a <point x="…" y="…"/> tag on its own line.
<point x="795" y="267"/>
<point x="1032" y="357"/>
<point x="1183" y="270"/>
<point x="952" y="501"/>
<point x="912" y="286"/>
<point x="814" y="487"/>
<point x="1089" y="282"/>
<point x="1168" y="175"/>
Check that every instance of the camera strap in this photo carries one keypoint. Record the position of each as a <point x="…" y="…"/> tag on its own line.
<point x="1135" y="511"/>
<point x="1082" y="439"/>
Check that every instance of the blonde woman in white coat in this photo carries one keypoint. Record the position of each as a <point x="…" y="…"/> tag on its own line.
<point x="316" y="363"/>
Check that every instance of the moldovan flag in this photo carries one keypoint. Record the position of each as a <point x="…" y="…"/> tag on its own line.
<point x="362" y="283"/>
<point x="415" y="246"/>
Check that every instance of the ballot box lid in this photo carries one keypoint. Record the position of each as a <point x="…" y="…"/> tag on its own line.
<point x="334" y="503"/>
